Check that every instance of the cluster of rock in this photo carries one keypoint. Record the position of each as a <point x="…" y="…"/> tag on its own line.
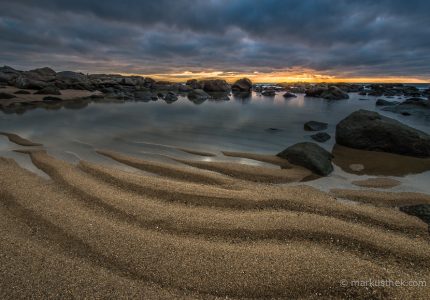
<point x="364" y="130"/>
<point x="411" y="106"/>
<point x="329" y="93"/>
<point x="48" y="82"/>
<point x="391" y="90"/>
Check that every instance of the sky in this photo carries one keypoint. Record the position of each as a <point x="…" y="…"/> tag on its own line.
<point x="266" y="40"/>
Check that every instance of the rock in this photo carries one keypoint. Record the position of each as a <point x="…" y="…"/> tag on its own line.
<point x="268" y="93"/>
<point x="194" y="84"/>
<point x="315" y="126"/>
<point x="382" y="102"/>
<point x="369" y="130"/>
<point x="52" y="99"/>
<point x="4" y="96"/>
<point x="22" y="92"/>
<point x="198" y="95"/>
<point x="330" y="93"/>
<point x="184" y="88"/>
<point x="272" y="129"/>
<point x="22" y="82"/>
<point x="310" y="156"/>
<point x="214" y="85"/>
<point x="170" y="97"/>
<point x="321" y="137"/>
<point x="289" y="95"/>
<point x="8" y="74"/>
<point x="412" y="106"/>
<point x="49" y="90"/>
<point x="242" y="85"/>
<point x="44" y="72"/>
<point x="145" y="96"/>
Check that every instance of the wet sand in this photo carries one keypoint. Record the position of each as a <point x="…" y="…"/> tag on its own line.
<point x="96" y="231"/>
<point x="14" y="138"/>
<point x="378" y="182"/>
<point x="377" y="163"/>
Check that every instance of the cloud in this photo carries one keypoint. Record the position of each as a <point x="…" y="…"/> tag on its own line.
<point x="350" y="38"/>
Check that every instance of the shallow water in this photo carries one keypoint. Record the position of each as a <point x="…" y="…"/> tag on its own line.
<point x="153" y="128"/>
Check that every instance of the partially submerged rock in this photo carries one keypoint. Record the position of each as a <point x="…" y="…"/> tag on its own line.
<point x="321" y="137"/>
<point x="330" y="93"/>
<point x="369" y="130"/>
<point x="170" y="97"/>
<point x="268" y="93"/>
<point x="289" y="95"/>
<point x="310" y="156"/>
<point x="214" y="85"/>
<point x="315" y="126"/>
<point x="411" y="106"/>
<point x="242" y="85"/>
<point x="382" y="102"/>
<point x="198" y="95"/>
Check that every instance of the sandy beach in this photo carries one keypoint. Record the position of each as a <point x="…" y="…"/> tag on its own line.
<point x="198" y="230"/>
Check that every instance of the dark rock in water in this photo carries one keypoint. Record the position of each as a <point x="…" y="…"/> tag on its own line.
<point x="330" y="93"/>
<point x="242" y="85"/>
<point x="170" y="97"/>
<point x="268" y="93"/>
<point x="184" y="88"/>
<point x="22" y="92"/>
<point x="49" y="90"/>
<point x="272" y="129"/>
<point x="363" y="99"/>
<point x="198" y="95"/>
<point x="421" y="211"/>
<point x="405" y="113"/>
<point x="362" y="93"/>
<point x="145" y="96"/>
<point x="289" y="95"/>
<point x="412" y="106"/>
<point x="369" y="130"/>
<point x="310" y="156"/>
<point x="321" y="137"/>
<point x="52" y="99"/>
<point x="382" y="102"/>
<point x="214" y="85"/>
<point x="6" y="96"/>
<point x="315" y="126"/>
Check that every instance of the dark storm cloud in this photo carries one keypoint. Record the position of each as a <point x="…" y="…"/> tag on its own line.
<point x="356" y="38"/>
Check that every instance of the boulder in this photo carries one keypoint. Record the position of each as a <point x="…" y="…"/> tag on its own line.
<point x="412" y="106"/>
<point x="289" y="95"/>
<point x="214" y="85"/>
<point x="198" y="95"/>
<point x="330" y="93"/>
<point x="315" y="126"/>
<point x="145" y="96"/>
<point x="369" y="130"/>
<point x="22" y="82"/>
<point x="321" y="137"/>
<point x="170" y="97"/>
<point x="242" y="85"/>
<point x="268" y="93"/>
<point x="4" y="96"/>
<point x="194" y="84"/>
<point x="382" y="102"/>
<point x="310" y="156"/>
<point x="49" y="90"/>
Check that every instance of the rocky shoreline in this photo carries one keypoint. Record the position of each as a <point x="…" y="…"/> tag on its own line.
<point x="43" y="87"/>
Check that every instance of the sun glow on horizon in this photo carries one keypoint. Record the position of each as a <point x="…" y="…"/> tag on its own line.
<point x="277" y="77"/>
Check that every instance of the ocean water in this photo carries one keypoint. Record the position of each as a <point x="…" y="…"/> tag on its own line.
<point x="152" y="129"/>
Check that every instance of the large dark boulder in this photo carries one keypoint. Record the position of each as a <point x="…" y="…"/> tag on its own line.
<point x="289" y="95"/>
<point x="369" y="130"/>
<point x="268" y="93"/>
<point x="198" y="95"/>
<point x="310" y="156"/>
<point x="330" y="93"/>
<point x="242" y="85"/>
<point x="412" y="106"/>
<point x="22" y="82"/>
<point x="214" y="85"/>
